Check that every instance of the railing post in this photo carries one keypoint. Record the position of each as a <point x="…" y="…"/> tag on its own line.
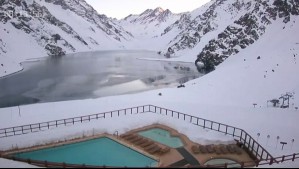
<point x="252" y="148"/>
<point x="245" y="140"/>
<point x="249" y="143"/>
<point x="241" y="135"/>
<point x="226" y="129"/>
<point x="283" y="157"/>
<point x="225" y="165"/>
<point x="219" y="127"/>
<point x="294" y="156"/>
<point x="234" y="131"/>
<point x="204" y="124"/>
<point x="242" y="164"/>
<point x="257" y="162"/>
<point x="271" y="161"/>
<point x="257" y="151"/>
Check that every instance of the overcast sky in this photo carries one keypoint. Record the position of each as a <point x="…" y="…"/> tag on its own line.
<point x="122" y="8"/>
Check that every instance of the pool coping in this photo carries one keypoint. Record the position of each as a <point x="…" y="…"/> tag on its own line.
<point x="202" y="158"/>
<point x="172" y="134"/>
<point x="162" y="160"/>
<point x="78" y="140"/>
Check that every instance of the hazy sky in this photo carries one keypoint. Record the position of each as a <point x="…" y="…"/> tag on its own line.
<point x="122" y="8"/>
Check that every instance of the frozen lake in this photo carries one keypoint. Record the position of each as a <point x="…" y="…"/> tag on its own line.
<point x="92" y="75"/>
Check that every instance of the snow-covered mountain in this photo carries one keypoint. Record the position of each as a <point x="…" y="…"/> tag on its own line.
<point x="196" y="28"/>
<point x="31" y="28"/>
<point x="213" y="32"/>
<point x="248" y="29"/>
<point x="223" y="28"/>
<point x="151" y="23"/>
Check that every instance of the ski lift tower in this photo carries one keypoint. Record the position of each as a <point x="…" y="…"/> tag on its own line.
<point x="285" y="98"/>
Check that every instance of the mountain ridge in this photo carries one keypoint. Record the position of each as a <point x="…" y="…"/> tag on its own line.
<point x="209" y="34"/>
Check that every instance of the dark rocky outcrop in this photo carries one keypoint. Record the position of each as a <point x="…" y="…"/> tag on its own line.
<point x="54" y="50"/>
<point x="245" y="31"/>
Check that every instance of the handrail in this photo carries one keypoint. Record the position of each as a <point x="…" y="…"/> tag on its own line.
<point x="66" y="165"/>
<point x="37" y="127"/>
<point x="248" y="141"/>
<point x="259" y="153"/>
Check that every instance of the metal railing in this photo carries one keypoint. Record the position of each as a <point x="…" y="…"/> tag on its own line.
<point x="47" y="164"/>
<point x="38" y="127"/>
<point x="253" y="148"/>
<point x="259" y="154"/>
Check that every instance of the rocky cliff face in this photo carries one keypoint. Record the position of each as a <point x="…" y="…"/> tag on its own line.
<point x="246" y="30"/>
<point x="214" y="31"/>
<point x="38" y="20"/>
<point x="212" y="19"/>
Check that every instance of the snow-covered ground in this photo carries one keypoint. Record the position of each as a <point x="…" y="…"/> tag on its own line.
<point x="14" y="164"/>
<point x="226" y="95"/>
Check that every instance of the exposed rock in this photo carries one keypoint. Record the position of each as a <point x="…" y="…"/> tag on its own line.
<point x="245" y="31"/>
<point x="54" y="50"/>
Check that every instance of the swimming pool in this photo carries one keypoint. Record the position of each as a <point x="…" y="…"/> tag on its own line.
<point x="219" y="161"/>
<point x="97" y="152"/>
<point x="163" y="137"/>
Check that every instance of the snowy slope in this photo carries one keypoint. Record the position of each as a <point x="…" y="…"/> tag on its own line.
<point x="32" y="29"/>
<point x="150" y="23"/>
<point x="147" y="28"/>
<point x="225" y="95"/>
<point x="203" y="24"/>
<point x="13" y="164"/>
<point x="247" y="30"/>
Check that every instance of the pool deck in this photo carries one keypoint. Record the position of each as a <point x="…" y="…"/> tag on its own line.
<point x="174" y="156"/>
<point x="168" y="158"/>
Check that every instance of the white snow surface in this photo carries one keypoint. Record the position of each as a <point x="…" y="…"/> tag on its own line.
<point x="14" y="164"/>
<point x="225" y="95"/>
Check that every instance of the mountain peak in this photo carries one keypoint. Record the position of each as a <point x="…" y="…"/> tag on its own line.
<point x="159" y="9"/>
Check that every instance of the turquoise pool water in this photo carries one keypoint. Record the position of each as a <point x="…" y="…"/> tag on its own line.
<point x="163" y="137"/>
<point x="98" y="152"/>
